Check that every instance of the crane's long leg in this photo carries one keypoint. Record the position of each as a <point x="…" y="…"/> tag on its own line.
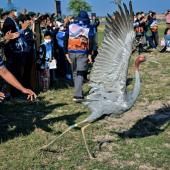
<point x="55" y="139"/>
<point x="87" y="148"/>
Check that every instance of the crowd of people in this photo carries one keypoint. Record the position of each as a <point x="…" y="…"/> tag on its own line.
<point x="146" y="28"/>
<point x="38" y="49"/>
<point x="42" y="48"/>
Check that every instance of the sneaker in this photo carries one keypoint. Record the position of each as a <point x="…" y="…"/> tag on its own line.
<point x="168" y="49"/>
<point x="78" y="99"/>
<point x="153" y="49"/>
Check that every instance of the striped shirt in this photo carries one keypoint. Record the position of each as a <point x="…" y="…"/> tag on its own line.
<point x="1" y="62"/>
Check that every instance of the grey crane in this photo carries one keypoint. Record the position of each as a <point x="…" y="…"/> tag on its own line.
<point x="108" y="94"/>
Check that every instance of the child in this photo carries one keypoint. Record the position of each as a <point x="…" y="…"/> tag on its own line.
<point x="46" y="56"/>
<point x="166" y="41"/>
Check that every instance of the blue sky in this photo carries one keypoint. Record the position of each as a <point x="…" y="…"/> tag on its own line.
<point x="101" y="7"/>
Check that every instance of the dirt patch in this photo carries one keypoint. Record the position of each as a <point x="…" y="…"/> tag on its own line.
<point x="140" y="111"/>
<point x="148" y="167"/>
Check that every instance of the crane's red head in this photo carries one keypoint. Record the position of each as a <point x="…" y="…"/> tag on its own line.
<point x="139" y="60"/>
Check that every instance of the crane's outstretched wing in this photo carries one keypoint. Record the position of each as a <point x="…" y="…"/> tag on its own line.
<point x="111" y="65"/>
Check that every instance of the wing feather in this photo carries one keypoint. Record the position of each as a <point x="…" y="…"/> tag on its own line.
<point x="111" y="65"/>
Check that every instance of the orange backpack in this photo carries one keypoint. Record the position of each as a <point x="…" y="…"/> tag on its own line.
<point x="139" y="30"/>
<point x="154" y="28"/>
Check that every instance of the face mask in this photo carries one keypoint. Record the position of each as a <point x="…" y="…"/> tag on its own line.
<point x="61" y="28"/>
<point x="16" y="13"/>
<point x="47" y="41"/>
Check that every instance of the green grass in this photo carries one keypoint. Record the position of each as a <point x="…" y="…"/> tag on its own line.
<point x="136" y="140"/>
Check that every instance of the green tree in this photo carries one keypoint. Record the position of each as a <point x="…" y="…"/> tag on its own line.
<point x="77" y="5"/>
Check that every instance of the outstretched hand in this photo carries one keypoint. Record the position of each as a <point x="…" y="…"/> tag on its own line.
<point x="2" y="96"/>
<point x="30" y="94"/>
<point x="10" y="36"/>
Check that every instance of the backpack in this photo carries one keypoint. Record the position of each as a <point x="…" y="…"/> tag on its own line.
<point x="139" y="31"/>
<point x="78" y="37"/>
<point x="154" y="28"/>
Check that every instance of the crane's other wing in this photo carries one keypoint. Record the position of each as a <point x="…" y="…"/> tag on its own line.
<point x="111" y="65"/>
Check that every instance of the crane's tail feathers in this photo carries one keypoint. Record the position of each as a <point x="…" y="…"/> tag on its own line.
<point x="89" y="100"/>
<point x="45" y="147"/>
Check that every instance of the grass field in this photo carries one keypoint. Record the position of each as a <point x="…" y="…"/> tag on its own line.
<point x="139" y="140"/>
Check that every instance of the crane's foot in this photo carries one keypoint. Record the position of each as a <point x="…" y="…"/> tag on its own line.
<point x="44" y="148"/>
<point x="87" y="148"/>
<point x="92" y="158"/>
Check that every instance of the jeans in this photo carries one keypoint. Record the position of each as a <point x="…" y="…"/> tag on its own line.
<point x="150" y="39"/>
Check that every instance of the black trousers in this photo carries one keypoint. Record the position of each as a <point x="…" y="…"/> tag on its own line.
<point x="61" y="63"/>
<point x="14" y="63"/>
<point x="26" y="68"/>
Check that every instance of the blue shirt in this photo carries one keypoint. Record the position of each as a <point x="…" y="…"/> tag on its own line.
<point x="48" y="54"/>
<point x="20" y="44"/>
<point x="48" y="51"/>
<point x="60" y="36"/>
<point x="167" y="40"/>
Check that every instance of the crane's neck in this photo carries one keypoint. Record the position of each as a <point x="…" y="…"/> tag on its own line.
<point x="137" y="86"/>
<point x="132" y="96"/>
<point x="136" y="90"/>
